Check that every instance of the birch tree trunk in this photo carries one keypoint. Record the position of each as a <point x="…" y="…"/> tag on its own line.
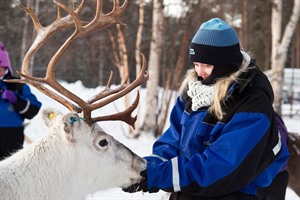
<point x="101" y="61"/>
<point x="245" y="25"/>
<point x="280" y="46"/>
<point x="139" y="37"/>
<point x="121" y="61"/>
<point x="138" y="60"/>
<point x="120" y="53"/>
<point x="150" y="123"/>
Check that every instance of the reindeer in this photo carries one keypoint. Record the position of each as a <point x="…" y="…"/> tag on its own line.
<point x="76" y="157"/>
<point x="72" y="160"/>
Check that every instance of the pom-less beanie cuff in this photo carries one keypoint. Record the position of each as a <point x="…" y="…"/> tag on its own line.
<point x="221" y="56"/>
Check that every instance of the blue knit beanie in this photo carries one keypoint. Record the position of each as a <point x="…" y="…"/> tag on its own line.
<point x="216" y="43"/>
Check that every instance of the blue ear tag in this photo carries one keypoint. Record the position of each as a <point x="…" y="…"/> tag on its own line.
<point x="74" y="119"/>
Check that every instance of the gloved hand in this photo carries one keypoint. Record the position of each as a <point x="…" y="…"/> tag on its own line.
<point x="10" y="96"/>
<point x="140" y="186"/>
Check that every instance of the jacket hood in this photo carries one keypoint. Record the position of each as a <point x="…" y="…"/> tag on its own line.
<point x="254" y="78"/>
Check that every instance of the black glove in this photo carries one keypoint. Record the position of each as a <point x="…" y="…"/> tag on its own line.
<point x="140" y="186"/>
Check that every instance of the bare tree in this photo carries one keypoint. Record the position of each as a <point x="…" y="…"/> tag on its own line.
<point x="173" y="76"/>
<point x="120" y="53"/>
<point x="244" y="27"/>
<point x="280" y="46"/>
<point x="121" y="60"/>
<point x="138" y="60"/>
<point x="25" y="33"/>
<point x="154" y="66"/>
<point x="139" y="36"/>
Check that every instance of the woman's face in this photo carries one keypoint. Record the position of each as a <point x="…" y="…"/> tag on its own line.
<point x="2" y="71"/>
<point x="203" y="70"/>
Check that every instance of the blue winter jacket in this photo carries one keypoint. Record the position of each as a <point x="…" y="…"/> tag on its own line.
<point x="205" y="157"/>
<point x="26" y="107"/>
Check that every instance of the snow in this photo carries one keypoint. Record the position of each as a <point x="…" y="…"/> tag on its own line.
<point x="142" y="146"/>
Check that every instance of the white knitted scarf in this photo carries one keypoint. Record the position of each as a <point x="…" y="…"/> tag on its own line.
<point x="201" y="95"/>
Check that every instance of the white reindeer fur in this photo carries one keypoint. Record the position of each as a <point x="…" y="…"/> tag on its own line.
<point x="68" y="163"/>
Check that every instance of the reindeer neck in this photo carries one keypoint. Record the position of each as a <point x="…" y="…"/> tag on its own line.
<point x="33" y="164"/>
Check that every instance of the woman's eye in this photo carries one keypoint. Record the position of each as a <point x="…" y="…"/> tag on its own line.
<point x="103" y="143"/>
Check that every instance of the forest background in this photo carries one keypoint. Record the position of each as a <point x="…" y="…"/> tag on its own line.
<point x="162" y="31"/>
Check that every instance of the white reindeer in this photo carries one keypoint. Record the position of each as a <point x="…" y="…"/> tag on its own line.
<point x="76" y="157"/>
<point x="72" y="160"/>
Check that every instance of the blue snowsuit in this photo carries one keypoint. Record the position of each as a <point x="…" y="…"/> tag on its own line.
<point x="203" y="157"/>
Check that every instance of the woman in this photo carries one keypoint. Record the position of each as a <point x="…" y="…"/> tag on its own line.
<point x="17" y="103"/>
<point x="223" y="141"/>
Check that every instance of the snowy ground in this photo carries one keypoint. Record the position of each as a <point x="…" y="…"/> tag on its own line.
<point x="142" y="146"/>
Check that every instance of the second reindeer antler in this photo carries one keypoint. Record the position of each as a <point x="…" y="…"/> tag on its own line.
<point x="63" y="95"/>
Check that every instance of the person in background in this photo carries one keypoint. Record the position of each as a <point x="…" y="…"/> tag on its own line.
<point x="223" y="141"/>
<point x="16" y="104"/>
<point x="277" y="189"/>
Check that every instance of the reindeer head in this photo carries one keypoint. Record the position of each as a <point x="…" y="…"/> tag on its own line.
<point x="97" y="160"/>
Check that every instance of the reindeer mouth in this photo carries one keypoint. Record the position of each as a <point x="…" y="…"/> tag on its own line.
<point x="136" y="180"/>
<point x="132" y="181"/>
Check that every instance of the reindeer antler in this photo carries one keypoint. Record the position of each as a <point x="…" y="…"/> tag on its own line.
<point x="106" y="96"/>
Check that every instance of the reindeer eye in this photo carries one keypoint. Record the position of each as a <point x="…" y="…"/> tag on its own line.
<point x="103" y="143"/>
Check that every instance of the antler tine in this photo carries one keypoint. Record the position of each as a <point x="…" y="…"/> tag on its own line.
<point x="124" y="116"/>
<point x="38" y="27"/>
<point x="107" y="90"/>
<point x="80" y="7"/>
<point x="34" y="18"/>
<point x="104" y="91"/>
<point x="103" y="20"/>
<point x="37" y="83"/>
<point x="142" y="77"/>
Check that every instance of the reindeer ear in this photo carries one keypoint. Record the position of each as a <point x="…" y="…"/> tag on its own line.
<point x="50" y="115"/>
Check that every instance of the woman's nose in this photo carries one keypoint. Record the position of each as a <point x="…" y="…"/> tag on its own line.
<point x="199" y="70"/>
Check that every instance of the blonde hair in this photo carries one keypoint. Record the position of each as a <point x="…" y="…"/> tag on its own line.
<point x="221" y="89"/>
<point x="190" y="75"/>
